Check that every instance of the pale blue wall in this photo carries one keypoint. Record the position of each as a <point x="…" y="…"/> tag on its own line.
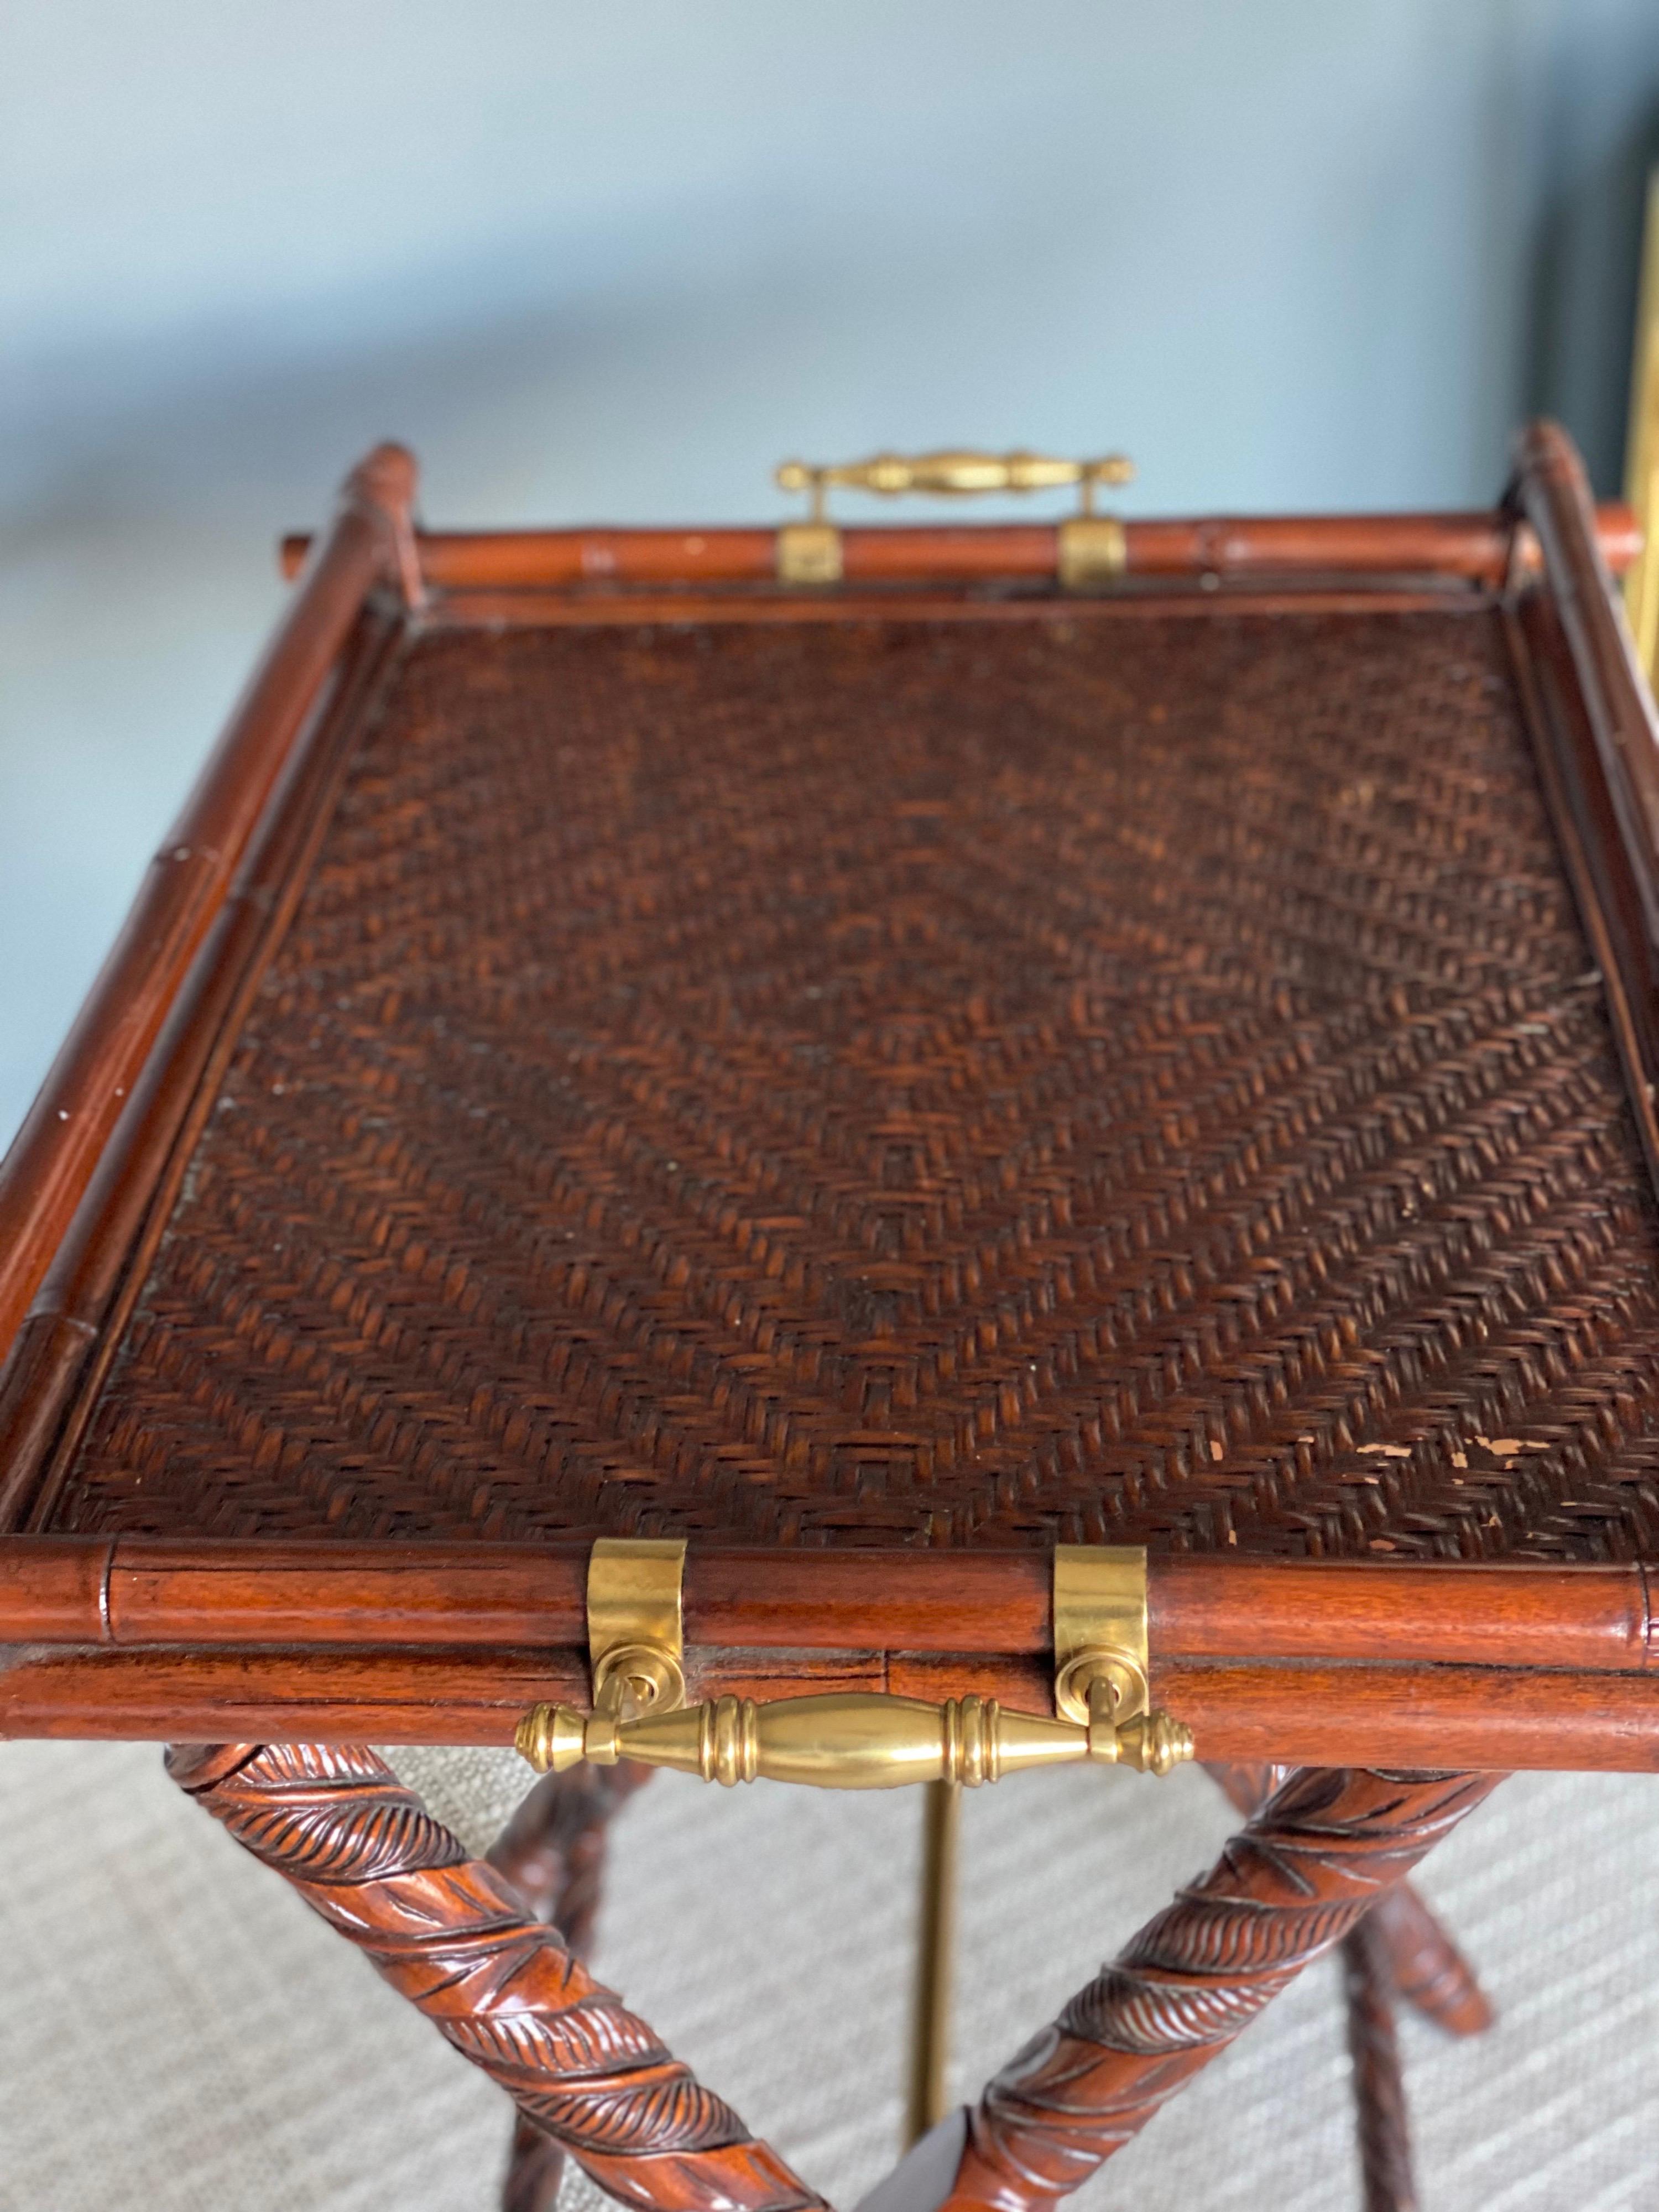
<point x="615" y="260"/>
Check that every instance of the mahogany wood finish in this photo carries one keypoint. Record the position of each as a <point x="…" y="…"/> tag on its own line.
<point x="135" y="1592"/>
<point x="1301" y="1875"/>
<point x="1042" y="1429"/>
<point x="498" y="1984"/>
<point x="1594" y="724"/>
<point x="552" y="1852"/>
<point x="1379" y="2089"/>
<point x="1386" y="2182"/>
<point x="553" y="1085"/>
<point x="1478" y="1717"/>
<point x="535" y="2169"/>
<point x="51" y="1162"/>
<point x="1247" y="1789"/>
<point x="72" y="1325"/>
<point x="1576" y="1723"/>
<point x="1472" y="547"/>
<point x="1400" y="1949"/>
<point x="1437" y="1653"/>
<point x="1424" y="1966"/>
<point x="86" y="1182"/>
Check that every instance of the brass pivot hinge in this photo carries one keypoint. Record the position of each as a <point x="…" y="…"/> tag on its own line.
<point x="1091" y="547"/>
<point x="1102" y="1653"/>
<point x="854" y="1739"/>
<point x="635" y="1636"/>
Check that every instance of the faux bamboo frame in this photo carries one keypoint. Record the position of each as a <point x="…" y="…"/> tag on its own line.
<point x="1491" y="1666"/>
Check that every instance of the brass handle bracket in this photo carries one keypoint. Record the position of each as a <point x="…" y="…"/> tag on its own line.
<point x="854" y="1739"/>
<point x="1102" y="1653"/>
<point x="635" y="1636"/>
<point x="1091" y="550"/>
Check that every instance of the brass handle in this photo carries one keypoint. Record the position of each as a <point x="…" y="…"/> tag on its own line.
<point x="854" y="1739"/>
<point x="850" y="1740"/>
<point x="954" y="474"/>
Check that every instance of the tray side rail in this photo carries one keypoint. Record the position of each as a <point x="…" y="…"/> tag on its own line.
<point x="82" y="1172"/>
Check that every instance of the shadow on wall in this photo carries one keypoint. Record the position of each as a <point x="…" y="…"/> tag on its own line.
<point x="1581" y="322"/>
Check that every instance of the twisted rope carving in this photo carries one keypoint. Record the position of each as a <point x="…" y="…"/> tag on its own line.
<point x="552" y="1851"/>
<point x="1425" y="1969"/>
<point x="1399" y="1950"/>
<point x="450" y="1934"/>
<point x="1295" y="1881"/>
<point x="1385" y="2150"/>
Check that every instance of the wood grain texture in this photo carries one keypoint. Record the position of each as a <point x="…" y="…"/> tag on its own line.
<point x="1153" y="1085"/>
<point x="1301" y="1875"/>
<point x="498" y="1984"/>
<point x="138" y="1592"/>
<point x="1398" y="1940"/>
<point x="73" y="1324"/>
<point x="1594" y="724"/>
<point x="1424" y="1966"/>
<point x="553" y="1849"/>
<point x="1481" y="1716"/>
<point x="1574" y="1723"/>
<point x="273" y="783"/>
<point x="535" y="2169"/>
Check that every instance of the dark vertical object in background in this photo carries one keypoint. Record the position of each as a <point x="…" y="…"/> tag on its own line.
<point x="1596" y="138"/>
<point x="1385" y="2151"/>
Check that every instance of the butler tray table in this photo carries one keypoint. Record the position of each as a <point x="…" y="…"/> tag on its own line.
<point x="864" y="1155"/>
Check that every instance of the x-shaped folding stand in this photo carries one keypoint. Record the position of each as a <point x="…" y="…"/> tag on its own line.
<point x="471" y="1944"/>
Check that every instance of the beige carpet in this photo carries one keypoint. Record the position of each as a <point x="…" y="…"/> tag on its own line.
<point x="179" y="2033"/>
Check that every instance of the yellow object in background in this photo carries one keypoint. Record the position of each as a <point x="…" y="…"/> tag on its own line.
<point x="1642" y="449"/>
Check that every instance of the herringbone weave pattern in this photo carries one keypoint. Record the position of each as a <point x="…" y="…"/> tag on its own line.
<point x="1103" y="1078"/>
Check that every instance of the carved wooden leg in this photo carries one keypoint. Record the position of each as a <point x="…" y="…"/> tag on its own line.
<point x="1379" y="2085"/>
<point x="1385" y="2151"/>
<point x="535" y="2169"/>
<point x="1304" y="1871"/>
<point x="448" y="1933"/>
<point x="1250" y="1787"/>
<point x="1425" y="1967"/>
<point x="552" y="1851"/>
<point x="1398" y="1949"/>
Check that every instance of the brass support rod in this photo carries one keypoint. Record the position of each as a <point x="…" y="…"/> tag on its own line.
<point x="930" y="2035"/>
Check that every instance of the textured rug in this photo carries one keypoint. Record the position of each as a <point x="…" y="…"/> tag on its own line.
<point x="179" y="2033"/>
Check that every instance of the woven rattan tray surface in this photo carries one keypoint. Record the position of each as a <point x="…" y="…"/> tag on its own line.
<point x="908" y="1081"/>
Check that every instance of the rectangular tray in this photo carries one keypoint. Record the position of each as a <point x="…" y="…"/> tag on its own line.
<point x="878" y="1082"/>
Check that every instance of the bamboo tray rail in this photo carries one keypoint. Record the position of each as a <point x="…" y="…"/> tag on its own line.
<point x="354" y="1278"/>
